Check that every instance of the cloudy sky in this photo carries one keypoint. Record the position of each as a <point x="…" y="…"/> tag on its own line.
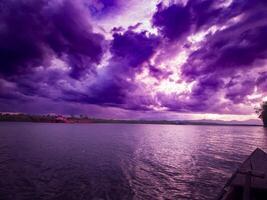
<point x="184" y="59"/>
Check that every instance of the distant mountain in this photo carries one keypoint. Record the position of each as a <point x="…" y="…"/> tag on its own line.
<point x="246" y="122"/>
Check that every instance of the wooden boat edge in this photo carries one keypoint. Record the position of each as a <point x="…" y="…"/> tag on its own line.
<point x="226" y="189"/>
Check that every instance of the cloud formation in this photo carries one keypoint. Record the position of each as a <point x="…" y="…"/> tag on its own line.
<point x="195" y="56"/>
<point x="33" y="32"/>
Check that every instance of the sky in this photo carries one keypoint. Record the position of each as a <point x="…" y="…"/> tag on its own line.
<point x="134" y="59"/>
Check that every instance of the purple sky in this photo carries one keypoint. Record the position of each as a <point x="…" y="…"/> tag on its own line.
<point x="183" y="59"/>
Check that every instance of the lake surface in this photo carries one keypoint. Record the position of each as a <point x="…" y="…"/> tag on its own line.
<point x="120" y="161"/>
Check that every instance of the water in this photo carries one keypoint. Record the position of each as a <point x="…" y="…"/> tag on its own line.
<point x="115" y="161"/>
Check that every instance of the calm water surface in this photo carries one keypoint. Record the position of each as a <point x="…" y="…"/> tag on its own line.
<point x="113" y="161"/>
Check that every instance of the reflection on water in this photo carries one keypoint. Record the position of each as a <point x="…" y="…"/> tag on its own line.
<point x="84" y="161"/>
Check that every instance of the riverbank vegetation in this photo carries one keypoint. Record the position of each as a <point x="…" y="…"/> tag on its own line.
<point x="262" y="112"/>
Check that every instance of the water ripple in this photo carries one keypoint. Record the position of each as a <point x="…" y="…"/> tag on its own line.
<point x="83" y="161"/>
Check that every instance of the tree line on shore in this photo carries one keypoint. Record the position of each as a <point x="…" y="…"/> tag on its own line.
<point x="262" y="113"/>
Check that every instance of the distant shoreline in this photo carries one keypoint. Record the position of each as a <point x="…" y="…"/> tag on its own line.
<point x="86" y="120"/>
<point x="185" y="124"/>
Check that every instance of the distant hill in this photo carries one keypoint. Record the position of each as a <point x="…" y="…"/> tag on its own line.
<point x="246" y="122"/>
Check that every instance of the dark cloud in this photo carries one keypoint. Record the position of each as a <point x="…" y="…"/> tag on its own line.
<point x="110" y="92"/>
<point x="249" y="46"/>
<point x="133" y="47"/>
<point x="173" y="21"/>
<point x="203" y="12"/>
<point x="113" y="92"/>
<point x="32" y="32"/>
<point x="223" y="55"/>
<point x="219" y="55"/>
<point x="177" y="20"/>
